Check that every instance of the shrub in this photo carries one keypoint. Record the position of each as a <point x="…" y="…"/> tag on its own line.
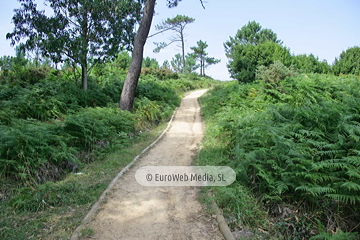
<point x="160" y="73"/>
<point x="34" y="151"/>
<point x="98" y="126"/>
<point x="300" y="148"/>
<point x="273" y="74"/>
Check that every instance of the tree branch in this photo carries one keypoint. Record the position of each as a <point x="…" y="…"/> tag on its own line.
<point x="160" y="32"/>
<point x="202" y="4"/>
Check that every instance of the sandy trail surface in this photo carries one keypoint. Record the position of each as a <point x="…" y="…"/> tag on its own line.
<point x="133" y="211"/>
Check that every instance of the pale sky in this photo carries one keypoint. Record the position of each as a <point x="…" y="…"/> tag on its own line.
<point x="323" y="27"/>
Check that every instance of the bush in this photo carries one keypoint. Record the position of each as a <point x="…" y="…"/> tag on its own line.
<point x="348" y="62"/>
<point x="25" y="76"/>
<point x="34" y="151"/>
<point x="273" y="74"/>
<point x="98" y="126"/>
<point x="160" y="73"/>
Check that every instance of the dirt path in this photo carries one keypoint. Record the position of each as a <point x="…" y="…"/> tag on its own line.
<point x="133" y="211"/>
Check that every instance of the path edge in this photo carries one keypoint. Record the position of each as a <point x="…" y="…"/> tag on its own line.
<point x="223" y="226"/>
<point x="96" y="205"/>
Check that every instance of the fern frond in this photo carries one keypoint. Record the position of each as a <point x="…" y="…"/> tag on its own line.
<point x="344" y="198"/>
<point x="317" y="190"/>
<point x="351" y="186"/>
<point x="353" y="173"/>
<point x="332" y="164"/>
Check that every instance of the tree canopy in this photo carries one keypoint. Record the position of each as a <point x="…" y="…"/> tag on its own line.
<point x="245" y="58"/>
<point x="201" y="55"/>
<point x="251" y="33"/>
<point x="310" y="64"/>
<point x="348" y="62"/>
<point x="77" y="30"/>
<point x="176" y="24"/>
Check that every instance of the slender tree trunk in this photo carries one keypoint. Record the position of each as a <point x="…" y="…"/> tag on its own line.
<point x="84" y="76"/>
<point x="132" y="77"/>
<point x="84" y="51"/>
<point x="183" y="51"/>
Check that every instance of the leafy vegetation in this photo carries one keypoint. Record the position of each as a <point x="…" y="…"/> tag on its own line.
<point x="253" y="46"/>
<point x="201" y="55"/>
<point x="348" y="62"/>
<point x="244" y="59"/>
<point x="51" y="129"/>
<point x="293" y="141"/>
<point x="76" y="30"/>
<point x="176" y="24"/>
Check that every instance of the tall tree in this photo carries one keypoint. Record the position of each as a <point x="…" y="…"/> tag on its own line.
<point x="245" y="58"/>
<point x="150" y="63"/>
<point x="176" y="24"/>
<point x="348" y="62"/>
<point x="190" y="63"/>
<point x="251" y="33"/>
<point x="201" y="56"/>
<point x="310" y="64"/>
<point x="132" y="78"/>
<point x="77" y="29"/>
<point x="176" y="63"/>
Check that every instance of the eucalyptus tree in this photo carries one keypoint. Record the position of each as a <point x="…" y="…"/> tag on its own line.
<point x="176" y="24"/>
<point x="76" y="30"/>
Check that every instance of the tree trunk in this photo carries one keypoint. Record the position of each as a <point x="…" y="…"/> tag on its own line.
<point x="132" y="77"/>
<point x="84" y="76"/>
<point x="183" y="51"/>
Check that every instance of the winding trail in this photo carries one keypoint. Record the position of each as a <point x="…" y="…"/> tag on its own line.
<point x="133" y="211"/>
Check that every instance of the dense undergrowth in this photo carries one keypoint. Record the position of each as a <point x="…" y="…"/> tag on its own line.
<point x="49" y="128"/>
<point x="294" y="144"/>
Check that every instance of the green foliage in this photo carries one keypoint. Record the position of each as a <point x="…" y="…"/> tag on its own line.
<point x="295" y="141"/>
<point x="150" y="63"/>
<point x="251" y="33"/>
<point x="176" y="24"/>
<point x="76" y="30"/>
<point x="161" y="73"/>
<point x="34" y="151"/>
<point x="93" y="127"/>
<point x="51" y="194"/>
<point x="190" y="63"/>
<point x="348" y="62"/>
<point x="25" y="76"/>
<point x="176" y="63"/>
<point x="338" y="236"/>
<point x="244" y="59"/>
<point x="201" y="55"/>
<point x="273" y="74"/>
<point x="122" y="60"/>
<point x="8" y="63"/>
<point x="310" y="64"/>
<point x="49" y="126"/>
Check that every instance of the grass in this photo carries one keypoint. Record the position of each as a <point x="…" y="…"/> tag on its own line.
<point x="241" y="209"/>
<point x="75" y="195"/>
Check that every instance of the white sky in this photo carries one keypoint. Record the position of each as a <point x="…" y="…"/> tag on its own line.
<point x="322" y="27"/>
